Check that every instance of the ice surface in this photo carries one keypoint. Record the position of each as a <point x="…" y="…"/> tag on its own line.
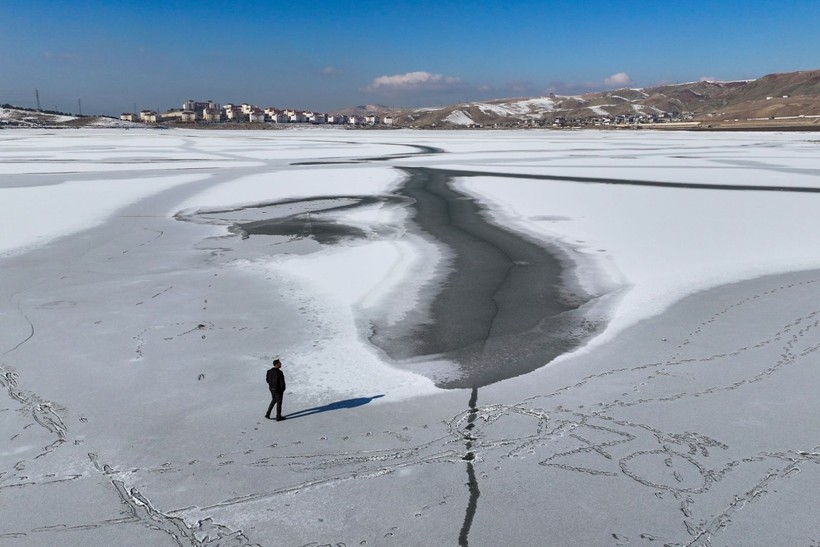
<point x="36" y="215"/>
<point x="136" y="325"/>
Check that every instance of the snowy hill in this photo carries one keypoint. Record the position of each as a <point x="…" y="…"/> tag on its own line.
<point x="795" y="94"/>
<point x="12" y="116"/>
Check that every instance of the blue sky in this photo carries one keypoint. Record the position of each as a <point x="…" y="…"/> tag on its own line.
<point x="328" y="55"/>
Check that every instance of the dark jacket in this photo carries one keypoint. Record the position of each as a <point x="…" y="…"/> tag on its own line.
<point x="276" y="379"/>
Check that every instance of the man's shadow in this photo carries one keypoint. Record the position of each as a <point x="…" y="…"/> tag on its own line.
<point x="338" y="405"/>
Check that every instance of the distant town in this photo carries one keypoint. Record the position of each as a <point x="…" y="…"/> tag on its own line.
<point x="783" y="101"/>
<point x="210" y="111"/>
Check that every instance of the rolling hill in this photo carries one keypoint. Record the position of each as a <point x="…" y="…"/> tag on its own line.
<point x="14" y="116"/>
<point x="789" y="96"/>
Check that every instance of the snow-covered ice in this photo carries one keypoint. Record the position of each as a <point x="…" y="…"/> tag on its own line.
<point x="35" y="215"/>
<point x="141" y="302"/>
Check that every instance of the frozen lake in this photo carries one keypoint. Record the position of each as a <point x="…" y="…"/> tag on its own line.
<point x="489" y="338"/>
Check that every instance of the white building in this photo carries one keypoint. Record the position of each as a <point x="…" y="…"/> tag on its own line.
<point x="234" y="112"/>
<point x="199" y="107"/>
<point x="336" y="119"/>
<point x="129" y="117"/>
<point x="212" y="115"/>
<point x="256" y="116"/>
<point x="388" y="120"/>
<point x="372" y="119"/>
<point x="173" y="115"/>
<point x="276" y="116"/>
<point x="297" y="117"/>
<point x="316" y="117"/>
<point x="149" y="116"/>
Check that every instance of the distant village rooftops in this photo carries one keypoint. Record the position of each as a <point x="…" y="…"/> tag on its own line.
<point x="212" y="112"/>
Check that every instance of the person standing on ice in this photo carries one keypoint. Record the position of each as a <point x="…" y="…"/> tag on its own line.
<point x="276" y="383"/>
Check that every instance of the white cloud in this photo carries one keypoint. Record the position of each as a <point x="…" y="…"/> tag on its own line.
<point x="413" y="80"/>
<point x="619" y="79"/>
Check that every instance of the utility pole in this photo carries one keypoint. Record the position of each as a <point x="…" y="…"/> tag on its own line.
<point x="37" y="96"/>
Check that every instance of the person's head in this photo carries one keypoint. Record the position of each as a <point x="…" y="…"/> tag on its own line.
<point x="277" y="363"/>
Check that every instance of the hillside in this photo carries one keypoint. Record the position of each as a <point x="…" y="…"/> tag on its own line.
<point x="12" y="116"/>
<point x="785" y="97"/>
<point x="364" y="109"/>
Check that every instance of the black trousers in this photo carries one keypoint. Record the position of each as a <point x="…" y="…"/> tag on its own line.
<point x="276" y="399"/>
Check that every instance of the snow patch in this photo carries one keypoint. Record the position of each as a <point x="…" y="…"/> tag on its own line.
<point x="459" y="117"/>
<point x="36" y="215"/>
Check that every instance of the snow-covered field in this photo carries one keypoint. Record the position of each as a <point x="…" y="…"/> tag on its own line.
<point x="148" y="278"/>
